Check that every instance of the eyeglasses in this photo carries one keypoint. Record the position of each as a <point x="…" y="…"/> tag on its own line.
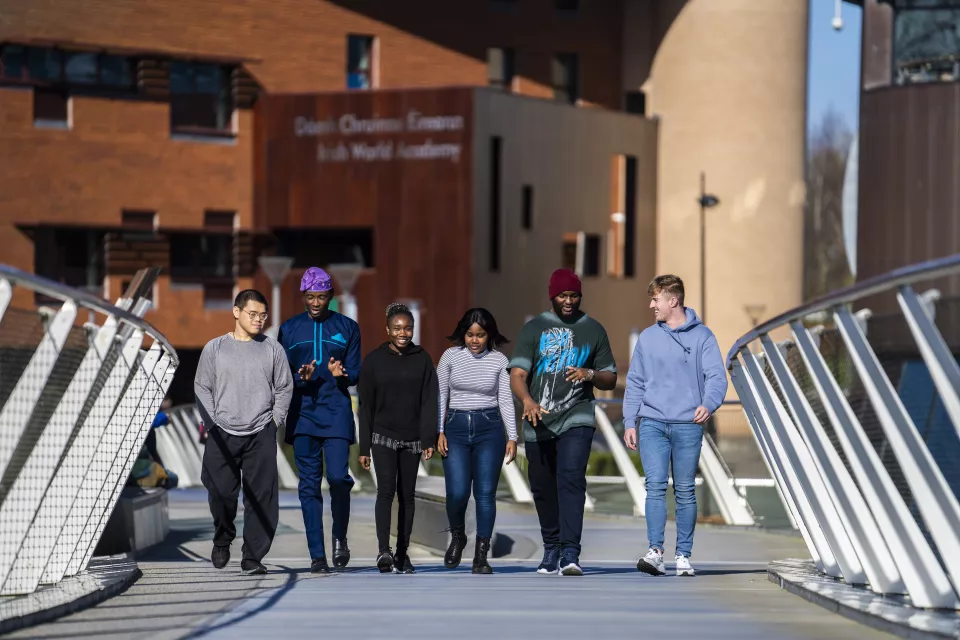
<point x="257" y="316"/>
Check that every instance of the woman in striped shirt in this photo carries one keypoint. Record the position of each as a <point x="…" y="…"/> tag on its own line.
<point x="475" y="407"/>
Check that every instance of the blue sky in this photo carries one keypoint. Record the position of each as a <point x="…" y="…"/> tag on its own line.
<point x="834" y="63"/>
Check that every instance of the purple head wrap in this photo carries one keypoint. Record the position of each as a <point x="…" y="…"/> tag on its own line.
<point x="317" y="280"/>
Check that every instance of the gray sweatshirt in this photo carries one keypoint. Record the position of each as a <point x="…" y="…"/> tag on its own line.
<point x="241" y="386"/>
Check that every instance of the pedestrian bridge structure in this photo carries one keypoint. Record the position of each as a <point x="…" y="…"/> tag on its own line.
<point x="853" y="401"/>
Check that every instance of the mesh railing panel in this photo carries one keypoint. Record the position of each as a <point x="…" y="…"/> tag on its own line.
<point x="20" y="333"/>
<point x="79" y="487"/>
<point x="25" y="491"/>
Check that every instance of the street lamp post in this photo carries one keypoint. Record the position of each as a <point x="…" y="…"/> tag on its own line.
<point x="346" y="275"/>
<point x="706" y="201"/>
<point x="276" y="268"/>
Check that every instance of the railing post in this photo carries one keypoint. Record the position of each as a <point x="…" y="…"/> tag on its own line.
<point x="936" y="354"/>
<point x="923" y="577"/>
<point x="878" y="564"/>
<point x="808" y="491"/>
<point x="934" y="499"/>
<point x="629" y="472"/>
<point x="752" y="409"/>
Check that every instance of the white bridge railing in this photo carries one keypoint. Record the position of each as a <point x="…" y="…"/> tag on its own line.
<point x="76" y="404"/>
<point x="861" y="435"/>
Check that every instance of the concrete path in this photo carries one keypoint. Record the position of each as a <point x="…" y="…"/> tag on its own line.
<point x="181" y="595"/>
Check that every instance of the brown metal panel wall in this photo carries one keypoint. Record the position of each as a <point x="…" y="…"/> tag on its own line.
<point x="909" y="187"/>
<point x="419" y="208"/>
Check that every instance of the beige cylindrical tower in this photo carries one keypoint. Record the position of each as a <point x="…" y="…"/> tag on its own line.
<point x="728" y="82"/>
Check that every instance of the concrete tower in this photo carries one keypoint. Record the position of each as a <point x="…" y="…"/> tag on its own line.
<point x="727" y="79"/>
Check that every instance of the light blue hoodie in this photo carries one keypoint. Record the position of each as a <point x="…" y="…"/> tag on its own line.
<point x="673" y="372"/>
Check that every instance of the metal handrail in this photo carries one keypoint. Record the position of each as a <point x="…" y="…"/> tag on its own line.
<point x="871" y="286"/>
<point x="56" y="290"/>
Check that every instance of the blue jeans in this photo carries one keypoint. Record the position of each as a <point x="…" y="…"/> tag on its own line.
<point x="476" y="444"/>
<point x="310" y="453"/>
<point x="661" y="444"/>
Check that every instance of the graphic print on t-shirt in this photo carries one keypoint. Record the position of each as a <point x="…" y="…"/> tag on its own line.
<point x="557" y="352"/>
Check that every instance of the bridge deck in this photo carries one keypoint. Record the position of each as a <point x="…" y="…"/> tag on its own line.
<point x="181" y="595"/>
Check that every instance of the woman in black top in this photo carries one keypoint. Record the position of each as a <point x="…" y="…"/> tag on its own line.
<point x="398" y="420"/>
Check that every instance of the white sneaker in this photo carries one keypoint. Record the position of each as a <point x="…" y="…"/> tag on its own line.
<point x="683" y="566"/>
<point x="652" y="563"/>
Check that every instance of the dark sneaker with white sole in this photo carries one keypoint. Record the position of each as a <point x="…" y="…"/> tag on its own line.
<point x="385" y="561"/>
<point x="551" y="560"/>
<point x="220" y="557"/>
<point x="252" y="568"/>
<point x="570" y="564"/>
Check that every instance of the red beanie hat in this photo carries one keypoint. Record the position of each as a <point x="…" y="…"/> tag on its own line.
<point x="564" y="280"/>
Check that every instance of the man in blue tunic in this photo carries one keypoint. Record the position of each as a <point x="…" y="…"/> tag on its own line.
<point x="323" y="348"/>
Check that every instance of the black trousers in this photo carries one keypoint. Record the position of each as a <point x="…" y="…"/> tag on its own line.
<point x="230" y="462"/>
<point x="396" y="474"/>
<point x="557" y="471"/>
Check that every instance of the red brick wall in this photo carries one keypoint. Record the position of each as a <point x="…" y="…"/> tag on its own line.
<point x="300" y="45"/>
<point x="119" y="154"/>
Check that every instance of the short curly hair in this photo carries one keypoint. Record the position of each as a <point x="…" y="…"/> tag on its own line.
<point x="398" y="309"/>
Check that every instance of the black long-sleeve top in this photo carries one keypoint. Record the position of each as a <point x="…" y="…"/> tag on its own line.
<point x="398" y="396"/>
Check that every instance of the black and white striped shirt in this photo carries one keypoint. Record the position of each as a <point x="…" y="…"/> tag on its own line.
<point x="470" y="382"/>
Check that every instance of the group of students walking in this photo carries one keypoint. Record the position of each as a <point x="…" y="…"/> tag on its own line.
<point x="249" y="386"/>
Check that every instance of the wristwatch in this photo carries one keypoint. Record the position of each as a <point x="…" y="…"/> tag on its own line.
<point x="590" y="374"/>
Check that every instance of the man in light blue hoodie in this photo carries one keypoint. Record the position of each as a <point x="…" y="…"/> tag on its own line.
<point x="675" y="383"/>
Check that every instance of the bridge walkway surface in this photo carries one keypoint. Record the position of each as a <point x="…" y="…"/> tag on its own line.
<point x="181" y="595"/>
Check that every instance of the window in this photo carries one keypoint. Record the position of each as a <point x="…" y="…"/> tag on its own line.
<point x="621" y="261"/>
<point x="581" y="252"/>
<point x="326" y="246"/>
<point x="565" y="76"/>
<point x="360" y="62"/>
<point x="566" y="5"/>
<point x="500" y="68"/>
<point x="496" y="145"/>
<point x="51" y="107"/>
<point x="926" y="41"/>
<point x="635" y="102"/>
<point x="219" y="221"/>
<point x="73" y="256"/>
<point x="138" y="220"/>
<point x="78" y="69"/>
<point x="200" y="97"/>
<point x="202" y="256"/>
<point x="527" y="210"/>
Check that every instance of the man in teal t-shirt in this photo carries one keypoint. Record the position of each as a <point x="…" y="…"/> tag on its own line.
<point x="560" y="356"/>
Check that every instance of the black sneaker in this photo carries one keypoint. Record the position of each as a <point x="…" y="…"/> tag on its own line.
<point x="341" y="553"/>
<point x="385" y="561"/>
<point x="551" y="560"/>
<point x="220" y="557"/>
<point x="319" y="565"/>
<point x="402" y="564"/>
<point x="252" y="568"/>
<point x="570" y="564"/>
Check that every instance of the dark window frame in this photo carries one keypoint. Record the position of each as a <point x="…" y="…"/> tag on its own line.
<point x="630" y="217"/>
<point x="570" y="62"/>
<point x="526" y="207"/>
<point x="61" y="78"/>
<point x="508" y="68"/>
<point x="496" y="210"/>
<point x="354" y="68"/>
<point x="186" y="107"/>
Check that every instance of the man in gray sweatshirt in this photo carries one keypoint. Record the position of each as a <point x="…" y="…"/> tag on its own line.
<point x="243" y="388"/>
